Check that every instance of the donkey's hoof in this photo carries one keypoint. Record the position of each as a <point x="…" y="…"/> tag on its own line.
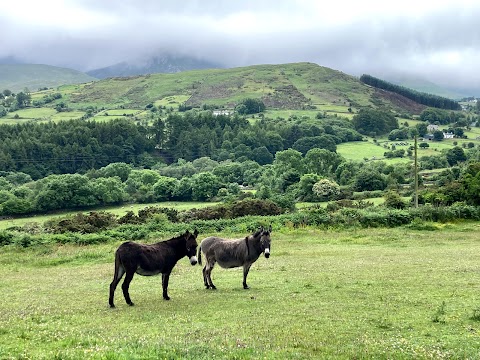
<point x="246" y="287"/>
<point x="213" y="287"/>
<point x="131" y="303"/>
<point x="166" y="297"/>
<point x="112" y="306"/>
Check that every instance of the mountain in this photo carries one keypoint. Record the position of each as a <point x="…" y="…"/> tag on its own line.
<point x="10" y="60"/>
<point x="426" y="86"/>
<point x="293" y="86"/>
<point x="17" y="77"/>
<point x="157" y="64"/>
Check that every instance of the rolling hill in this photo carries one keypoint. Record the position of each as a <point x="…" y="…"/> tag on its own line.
<point x="17" y="77"/>
<point x="293" y="86"/>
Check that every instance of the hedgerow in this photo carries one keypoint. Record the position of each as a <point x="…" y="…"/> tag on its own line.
<point x="158" y="225"/>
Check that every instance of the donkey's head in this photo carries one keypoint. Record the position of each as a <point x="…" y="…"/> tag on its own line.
<point x="265" y="241"/>
<point x="191" y="243"/>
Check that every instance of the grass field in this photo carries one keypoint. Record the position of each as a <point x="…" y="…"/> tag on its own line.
<point x="359" y="150"/>
<point x="356" y="294"/>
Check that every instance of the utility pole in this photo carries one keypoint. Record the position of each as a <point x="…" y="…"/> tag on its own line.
<point x="416" y="172"/>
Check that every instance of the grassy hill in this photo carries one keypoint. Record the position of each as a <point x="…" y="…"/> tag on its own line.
<point x="17" y="77"/>
<point x="294" y="86"/>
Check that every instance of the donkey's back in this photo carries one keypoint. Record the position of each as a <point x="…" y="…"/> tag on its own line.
<point x="227" y="253"/>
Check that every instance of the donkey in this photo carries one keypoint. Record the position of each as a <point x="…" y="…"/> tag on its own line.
<point x="147" y="260"/>
<point x="233" y="253"/>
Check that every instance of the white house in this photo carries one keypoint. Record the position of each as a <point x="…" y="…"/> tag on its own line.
<point x="448" y="135"/>
<point x="222" y="112"/>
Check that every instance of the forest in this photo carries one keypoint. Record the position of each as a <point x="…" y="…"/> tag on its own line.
<point x="417" y="96"/>
<point x="201" y="157"/>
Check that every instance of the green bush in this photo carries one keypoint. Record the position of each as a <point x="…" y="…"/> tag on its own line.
<point x="81" y="223"/>
<point x="6" y="238"/>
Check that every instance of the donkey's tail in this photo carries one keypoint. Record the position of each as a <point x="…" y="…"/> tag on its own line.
<point x="199" y="255"/>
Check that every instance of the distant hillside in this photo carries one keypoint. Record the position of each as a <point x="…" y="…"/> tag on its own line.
<point x="287" y="86"/>
<point x="426" y="86"/>
<point x="159" y="64"/>
<point x="424" y="98"/>
<point x="17" y="77"/>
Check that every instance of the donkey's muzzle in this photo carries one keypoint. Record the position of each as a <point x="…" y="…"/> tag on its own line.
<point x="193" y="260"/>
<point x="267" y="253"/>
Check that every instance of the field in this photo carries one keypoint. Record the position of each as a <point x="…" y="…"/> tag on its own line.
<point x="372" y="293"/>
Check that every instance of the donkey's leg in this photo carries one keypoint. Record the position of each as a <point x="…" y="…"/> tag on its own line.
<point x="210" y="265"/>
<point x="205" y="280"/>
<point x="119" y="271"/>
<point x="165" y="278"/>
<point x="246" y="269"/>
<point x="125" y="285"/>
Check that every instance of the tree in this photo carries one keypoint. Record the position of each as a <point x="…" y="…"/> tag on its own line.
<point x="109" y="190"/>
<point x="369" y="180"/>
<point x="23" y="99"/>
<point x="394" y="200"/>
<point x="321" y="142"/>
<point x="288" y="159"/>
<point x="374" y="122"/>
<point x="455" y="155"/>
<point x="422" y="129"/>
<point x="305" y="187"/>
<point x="262" y="156"/>
<point x="438" y="135"/>
<point x="423" y="145"/>
<point x="326" y="189"/>
<point x="322" y="161"/>
<point x="164" y="188"/>
<point x="250" y="106"/>
<point x="64" y="191"/>
<point x="121" y="170"/>
<point x="204" y="186"/>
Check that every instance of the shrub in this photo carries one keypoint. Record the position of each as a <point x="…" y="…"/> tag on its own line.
<point x="393" y="200"/>
<point x="81" y="223"/>
<point x="6" y="238"/>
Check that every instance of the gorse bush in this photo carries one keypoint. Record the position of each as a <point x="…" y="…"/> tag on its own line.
<point x="81" y="223"/>
<point x="234" y="210"/>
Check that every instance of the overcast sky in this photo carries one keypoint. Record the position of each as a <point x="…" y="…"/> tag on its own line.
<point x="439" y="40"/>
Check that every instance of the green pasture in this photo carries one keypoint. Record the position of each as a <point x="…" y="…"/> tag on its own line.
<point x="354" y="294"/>
<point x="309" y="114"/>
<point x="119" y="112"/>
<point x="172" y="101"/>
<point x="42" y="113"/>
<point x="359" y="150"/>
<point x="67" y="115"/>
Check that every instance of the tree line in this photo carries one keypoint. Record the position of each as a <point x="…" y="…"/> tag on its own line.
<point x="417" y="96"/>
<point x="76" y="146"/>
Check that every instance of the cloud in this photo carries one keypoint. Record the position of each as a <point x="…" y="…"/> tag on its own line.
<point x="439" y="40"/>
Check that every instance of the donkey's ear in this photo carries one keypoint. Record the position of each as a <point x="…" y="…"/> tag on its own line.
<point x="270" y="228"/>
<point x="195" y="233"/>
<point x="187" y="233"/>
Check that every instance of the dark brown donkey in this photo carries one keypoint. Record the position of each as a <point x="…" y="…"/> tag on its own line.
<point x="147" y="260"/>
